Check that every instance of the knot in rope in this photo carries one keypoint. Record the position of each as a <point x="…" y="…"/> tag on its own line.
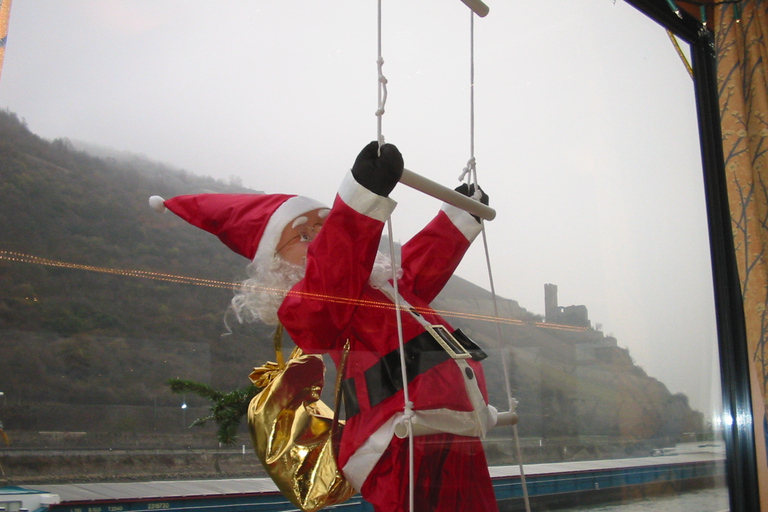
<point x="408" y="413"/>
<point x="382" y="102"/>
<point x="380" y="64"/>
<point x="468" y="169"/>
<point x="382" y="88"/>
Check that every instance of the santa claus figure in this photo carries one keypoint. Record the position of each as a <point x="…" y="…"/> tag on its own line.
<point x="336" y="289"/>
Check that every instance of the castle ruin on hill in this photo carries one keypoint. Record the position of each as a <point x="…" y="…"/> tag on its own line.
<point x="569" y="315"/>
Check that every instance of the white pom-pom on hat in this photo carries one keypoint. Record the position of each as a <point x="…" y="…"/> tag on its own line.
<point x="157" y="203"/>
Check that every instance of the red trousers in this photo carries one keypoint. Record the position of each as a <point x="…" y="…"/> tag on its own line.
<point x="450" y="475"/>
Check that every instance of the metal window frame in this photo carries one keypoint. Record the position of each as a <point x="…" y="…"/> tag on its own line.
<point x="738" y="422"/>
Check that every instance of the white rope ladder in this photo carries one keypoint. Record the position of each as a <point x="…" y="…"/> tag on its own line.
<point x="408" y="405"/>
<point x="470" y="174"/>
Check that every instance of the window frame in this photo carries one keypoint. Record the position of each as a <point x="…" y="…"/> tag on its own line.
<point x="737" y="420"/>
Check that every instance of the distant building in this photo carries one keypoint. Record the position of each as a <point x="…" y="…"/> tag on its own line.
<point x="569" y="315"/>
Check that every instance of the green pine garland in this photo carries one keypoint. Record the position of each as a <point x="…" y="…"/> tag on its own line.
<point x="227" y="409"/>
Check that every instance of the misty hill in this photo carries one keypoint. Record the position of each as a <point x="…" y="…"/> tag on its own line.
<point x="60" y="204"/>
<point x="97" y="311"/>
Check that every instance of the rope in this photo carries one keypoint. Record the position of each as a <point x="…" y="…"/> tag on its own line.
<point x="408" y="405"/>
<point x="382" y="86"/>
<point x="680" y="53"/>
<point x="472" y="94"/>
<point x="471" y="168"/>
<point x="470" y="172"/>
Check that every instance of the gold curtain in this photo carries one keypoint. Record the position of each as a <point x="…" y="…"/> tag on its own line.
<point x="741" y="43"/>
<point x="5" y="13"/>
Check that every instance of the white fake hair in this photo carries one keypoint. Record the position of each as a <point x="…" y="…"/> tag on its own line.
<point x="262" y="293"/>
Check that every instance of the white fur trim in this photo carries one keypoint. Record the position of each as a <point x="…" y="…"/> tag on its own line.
<point x="440" y="421"/>
<point x="362" y="462"/>
<point x="364" y="201"/>
<point x="433" y="421"/>
<point x="157" y="203"/>
<point x="463" y="221"/>
<point x="284" y="214"/>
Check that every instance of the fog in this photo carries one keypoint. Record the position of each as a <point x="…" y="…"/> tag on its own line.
<point x="585" y="132"/>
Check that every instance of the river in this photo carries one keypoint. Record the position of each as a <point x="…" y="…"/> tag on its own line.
<point x="706" y="500"/>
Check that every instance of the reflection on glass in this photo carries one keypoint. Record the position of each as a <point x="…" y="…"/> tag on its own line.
<point x="586" y="144"/>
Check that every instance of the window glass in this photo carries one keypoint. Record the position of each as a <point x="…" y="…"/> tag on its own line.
<point x="602" y="331"/>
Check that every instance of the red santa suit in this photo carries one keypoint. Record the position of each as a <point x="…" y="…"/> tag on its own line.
<point x="335" y="303"/>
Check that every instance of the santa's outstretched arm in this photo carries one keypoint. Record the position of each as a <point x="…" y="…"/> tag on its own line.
<point x="430" y="258"/>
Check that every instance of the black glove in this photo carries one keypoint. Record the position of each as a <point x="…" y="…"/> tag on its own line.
<point x="379" y="174"/>
<point x="469" y="191"/>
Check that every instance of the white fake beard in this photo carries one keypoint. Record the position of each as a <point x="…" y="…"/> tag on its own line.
<point x="261" y="295"/>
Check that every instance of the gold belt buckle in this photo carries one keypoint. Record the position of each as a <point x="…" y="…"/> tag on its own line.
<point x="446" y="340"/>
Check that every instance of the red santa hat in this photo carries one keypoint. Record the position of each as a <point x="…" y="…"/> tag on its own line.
<point x="249" y="224"/>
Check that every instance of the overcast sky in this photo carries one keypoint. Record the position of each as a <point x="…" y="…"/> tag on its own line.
<point x="585" y="135"/>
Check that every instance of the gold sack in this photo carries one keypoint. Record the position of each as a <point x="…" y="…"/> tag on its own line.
<point x="292" y="433"/>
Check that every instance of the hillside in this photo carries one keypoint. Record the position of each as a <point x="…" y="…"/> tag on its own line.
<point x="89" y="216"/>
<point x="102" y="300"/>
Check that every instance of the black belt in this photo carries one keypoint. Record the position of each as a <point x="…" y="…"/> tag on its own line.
<point x="385" y="378"/>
